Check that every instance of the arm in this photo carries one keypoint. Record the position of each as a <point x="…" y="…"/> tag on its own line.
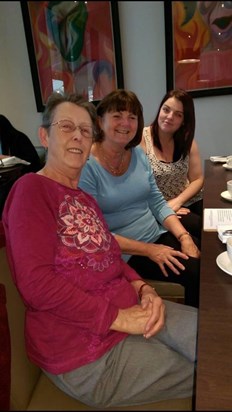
<point x="195" y="177"/>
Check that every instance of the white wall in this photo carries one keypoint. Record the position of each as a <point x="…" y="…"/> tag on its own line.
<point x="143" y="52"/>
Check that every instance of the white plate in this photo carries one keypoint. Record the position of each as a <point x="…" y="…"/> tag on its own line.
<point x="227" y="167"/>
<point x="224" y="263"/>
<point x="226" y="195"/>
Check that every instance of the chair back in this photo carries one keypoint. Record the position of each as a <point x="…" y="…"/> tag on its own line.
<point x="24" y="374"/>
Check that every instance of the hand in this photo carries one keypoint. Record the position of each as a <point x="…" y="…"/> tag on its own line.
<point x="133" y="320"/>
<point x="189" y="247"/>
<point x="182" y="211"/>
<point x="175" y="204"/>
<point x="150" y="299"/>
<point x="166" y="255"/>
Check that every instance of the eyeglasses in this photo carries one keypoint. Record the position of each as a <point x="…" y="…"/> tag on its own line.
<point x="67" y="126"/>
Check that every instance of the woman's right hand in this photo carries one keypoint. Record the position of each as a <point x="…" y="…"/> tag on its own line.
<point x="146" y="319"/>
<point x="166" y="256"/>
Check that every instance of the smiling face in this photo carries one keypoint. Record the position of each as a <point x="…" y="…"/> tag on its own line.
<point x="119" y="128"/>
<point x="68" y="149"/>
<point x="171" y="116"/>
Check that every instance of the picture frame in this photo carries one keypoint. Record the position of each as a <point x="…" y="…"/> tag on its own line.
<point x="73" y="47"/>
<point x="198" y="47"/>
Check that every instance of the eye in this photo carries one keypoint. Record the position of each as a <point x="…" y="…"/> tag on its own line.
<point x="165" y="109"/>
<point x="86" y="131"/>
<point x="67" y="126"/>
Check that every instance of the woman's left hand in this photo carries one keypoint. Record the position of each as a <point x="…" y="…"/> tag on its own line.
<point x="157" y="318"/>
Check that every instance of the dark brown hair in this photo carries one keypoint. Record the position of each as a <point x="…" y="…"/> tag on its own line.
<point x="183" y="137"/>
<point x="118" y="101"/>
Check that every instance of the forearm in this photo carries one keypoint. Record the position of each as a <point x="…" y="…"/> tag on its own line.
<point x="190" y="191"/>
<point x="131" y="246"/>
<point x="173" y="225"/>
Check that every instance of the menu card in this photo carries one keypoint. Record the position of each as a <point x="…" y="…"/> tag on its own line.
<point x="214" y="217"/>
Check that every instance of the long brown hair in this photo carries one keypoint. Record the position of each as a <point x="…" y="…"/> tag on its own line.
<point x="183" y="137"/>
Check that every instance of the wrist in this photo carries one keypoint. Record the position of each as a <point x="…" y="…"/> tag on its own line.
<point x="182" y="235"/>
<point x="141" y="289"/>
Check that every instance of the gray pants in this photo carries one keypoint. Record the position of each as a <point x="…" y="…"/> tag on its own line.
<point x="138" y="370"/>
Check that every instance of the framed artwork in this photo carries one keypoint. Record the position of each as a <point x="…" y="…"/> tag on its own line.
<point x="198" y="39"/>
<point x="73" y="46"/>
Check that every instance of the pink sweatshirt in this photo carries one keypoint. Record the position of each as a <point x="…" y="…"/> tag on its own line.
<point x="68" y="269"/>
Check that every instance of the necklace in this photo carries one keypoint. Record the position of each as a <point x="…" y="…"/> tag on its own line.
<point x="116" y="171"/>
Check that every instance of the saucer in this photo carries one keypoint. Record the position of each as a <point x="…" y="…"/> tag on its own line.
<point x="227" y="167"/>
<point x="226" y="195"/>
<point x="224" y="263"/>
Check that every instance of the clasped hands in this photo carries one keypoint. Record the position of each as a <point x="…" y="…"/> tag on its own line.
<point x="146" y="319"/>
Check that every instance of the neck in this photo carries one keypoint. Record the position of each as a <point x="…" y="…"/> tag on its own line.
<point x="113" y="160"/>
<point x="58" y="176"/>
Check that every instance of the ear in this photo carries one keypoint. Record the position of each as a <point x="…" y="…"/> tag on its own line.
<point x="43" y="136"/>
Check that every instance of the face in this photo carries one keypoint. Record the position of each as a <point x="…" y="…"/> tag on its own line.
<point x="171" y="116"/>
<point x="68" y="149"/>
<point x="119" y="127"/>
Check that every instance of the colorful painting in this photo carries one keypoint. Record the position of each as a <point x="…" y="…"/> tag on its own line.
<point x="200" y="46"/>
<point x="72" y="47"/>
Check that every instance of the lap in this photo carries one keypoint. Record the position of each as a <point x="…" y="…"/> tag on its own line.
<point x="139" y="370"/>
<point x="189" y="278"/>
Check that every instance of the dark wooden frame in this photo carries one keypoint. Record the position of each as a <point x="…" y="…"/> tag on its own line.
<point x="32" y="56"/>
<point x="170" y="71"/>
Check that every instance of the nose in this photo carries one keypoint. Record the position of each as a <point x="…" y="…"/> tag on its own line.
<point x="77" y="134"/>
<point x="125" y="121"/>
<point x="170" y="114"/>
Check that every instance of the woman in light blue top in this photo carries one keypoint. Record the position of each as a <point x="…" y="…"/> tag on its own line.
<point x="118" y="174"/>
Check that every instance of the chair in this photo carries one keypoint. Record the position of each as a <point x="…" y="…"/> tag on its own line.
<point x="5" y="353"/>
<point x="42" y="154"/>
<point x="30" y="387"/>
<point x="168" y="290"/>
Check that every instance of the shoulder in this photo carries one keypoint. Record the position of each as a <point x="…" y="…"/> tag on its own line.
<point x="90" y="166"/>
<point x="194" y="148"/>
<point x="139" y="154"/>
<point x="143" y="140"/>
<point x="30" y="183"/>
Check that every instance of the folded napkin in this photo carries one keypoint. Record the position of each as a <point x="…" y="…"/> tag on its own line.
<point x="224" y="231"/>
<point x="11" y="161"/>
<point x="220" y="159"/>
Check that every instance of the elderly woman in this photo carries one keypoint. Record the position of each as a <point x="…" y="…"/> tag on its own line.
<point x="93" y="325"/>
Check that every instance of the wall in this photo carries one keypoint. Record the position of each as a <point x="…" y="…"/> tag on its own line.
<point x="143" y="52"/>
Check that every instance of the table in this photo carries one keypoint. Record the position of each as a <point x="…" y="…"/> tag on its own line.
<point x="214" y="366"/>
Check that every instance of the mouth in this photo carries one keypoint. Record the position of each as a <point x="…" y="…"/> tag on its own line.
<point x="122" y="131"/>
<point x="75" y="150"/>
